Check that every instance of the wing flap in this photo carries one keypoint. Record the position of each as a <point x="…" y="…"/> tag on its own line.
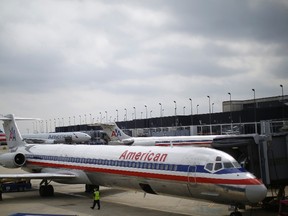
<point x="37" y="176"/>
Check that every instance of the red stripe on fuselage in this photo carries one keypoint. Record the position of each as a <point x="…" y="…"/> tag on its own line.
<point x="200" y="180"/>
<point x="184" y="144"/>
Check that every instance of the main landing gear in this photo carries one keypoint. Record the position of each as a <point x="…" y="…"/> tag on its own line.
<point x="235" y="211"/>
<point x="45" y="189"/>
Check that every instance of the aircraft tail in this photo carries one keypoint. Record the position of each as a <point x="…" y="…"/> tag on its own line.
<point x="13" y="136"/>
<point x="114" y="132"/>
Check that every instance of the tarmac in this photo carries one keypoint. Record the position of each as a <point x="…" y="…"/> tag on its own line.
<point x="72" y="200"/>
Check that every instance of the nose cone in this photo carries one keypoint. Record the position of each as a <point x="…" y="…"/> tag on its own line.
<point x="87" y="137"/>
<point x="255" y="193"/>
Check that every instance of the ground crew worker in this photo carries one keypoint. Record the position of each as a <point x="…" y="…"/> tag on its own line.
<point x="96" y="198"/>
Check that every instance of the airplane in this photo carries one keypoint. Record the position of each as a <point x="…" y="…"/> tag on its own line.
<point x="61" y="137"/>
<point x="118" y="137"/>
<point x="191" y="173"/>
<point x="2" y="137"/>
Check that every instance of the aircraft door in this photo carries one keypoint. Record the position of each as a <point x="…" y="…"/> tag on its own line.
<point x="191" y="178"/>
<point x="192" y="175"/>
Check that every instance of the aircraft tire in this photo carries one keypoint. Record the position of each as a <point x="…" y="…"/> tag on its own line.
<point x="42" y="191"/>
<point x="50" y="190"/>
<point x="46" y="191"/>
<point x="236" y="213"/>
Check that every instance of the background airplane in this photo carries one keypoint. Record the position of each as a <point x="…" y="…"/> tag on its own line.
<point x="2" y="138"/>
<point x="193" y="173"/>
<point x="118" y="137"/>
<point x="63" y="137"/>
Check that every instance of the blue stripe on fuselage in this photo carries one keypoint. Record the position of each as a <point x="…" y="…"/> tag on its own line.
<point x="131" y="164"/>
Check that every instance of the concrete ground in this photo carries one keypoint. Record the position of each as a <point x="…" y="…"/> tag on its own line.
<point x="72" y="200"/>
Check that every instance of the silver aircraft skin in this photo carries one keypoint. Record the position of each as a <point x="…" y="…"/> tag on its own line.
<point x="59" y="137"/>
<point x="118" y="137"/>
<point x="192" y="173"/>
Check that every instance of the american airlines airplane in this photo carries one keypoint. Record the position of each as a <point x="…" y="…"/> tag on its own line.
<point x="50" y="138"/>
<point x="192" y="173"/>
<point x="118" y="137"/>
<point x="2" y="137"/>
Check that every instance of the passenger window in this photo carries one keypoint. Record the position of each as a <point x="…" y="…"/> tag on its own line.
<point x="218" y="166"/>
<point x="209" y="166"/>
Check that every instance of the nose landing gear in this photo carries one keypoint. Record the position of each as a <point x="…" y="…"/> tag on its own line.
<point x="235" y="211"/>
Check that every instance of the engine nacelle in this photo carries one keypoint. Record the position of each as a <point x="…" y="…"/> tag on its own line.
<point x="12" y="160"/>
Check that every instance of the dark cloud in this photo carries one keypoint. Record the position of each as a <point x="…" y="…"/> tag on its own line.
<point x="247" y="20"/>
<point x="120" y="53"/>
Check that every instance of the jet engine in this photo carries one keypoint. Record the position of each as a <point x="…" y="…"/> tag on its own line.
<point x="12" y="160"/>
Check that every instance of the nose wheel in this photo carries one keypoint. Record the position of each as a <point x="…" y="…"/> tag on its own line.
<point x="235" y="211"/>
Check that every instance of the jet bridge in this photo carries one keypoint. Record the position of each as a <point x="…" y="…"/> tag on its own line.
<point x="265" y="155"/>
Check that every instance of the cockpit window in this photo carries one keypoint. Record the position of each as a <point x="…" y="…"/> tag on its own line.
<point x="218" y="158"/>
<point x="218" y="166"/>
<point x="236" y="164"/>
<point x="228" y="165"/>
<point x="209" y="166"/>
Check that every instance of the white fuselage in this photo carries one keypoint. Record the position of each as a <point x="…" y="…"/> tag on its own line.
<point x="200" y="173"/>
<point x="76" y="137"/>
<point x="204" y="141"/>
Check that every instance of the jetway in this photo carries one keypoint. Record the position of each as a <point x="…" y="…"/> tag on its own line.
<point x="264" y="155"/>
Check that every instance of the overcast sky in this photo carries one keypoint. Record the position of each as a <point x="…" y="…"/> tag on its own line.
<point x="65" y="58"/>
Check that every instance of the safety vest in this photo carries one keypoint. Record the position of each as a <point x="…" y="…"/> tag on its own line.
<point x="96" y="195"/>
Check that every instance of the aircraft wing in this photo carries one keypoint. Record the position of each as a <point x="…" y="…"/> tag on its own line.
<point x="37" y="176"/>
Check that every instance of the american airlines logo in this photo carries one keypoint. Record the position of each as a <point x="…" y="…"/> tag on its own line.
<point x="143" y="156"/>
<point x="116" y="133"/>
<point x="12" y="134"/>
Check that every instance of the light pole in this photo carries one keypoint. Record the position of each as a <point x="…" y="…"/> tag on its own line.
<point x="212" y="107"/>
<point x="146" y="110"/>
<point x="175" y="108"/>
<point x="282" y="101"/>
<point x="191" y="111"/>
<point x="209" y="112"/>
<point x="160" y="109"/>
<point x="255" y="118"/>
<point x="197" y="108"/>
<point x="117" y="115"/>
<point x="160" y="115"/>
<point x="230" y="109"/>
<point x="184" y="110"/>
<point x="134" y="112"/>
<point x="175" y="113"/>
<point x="125" y="114"/>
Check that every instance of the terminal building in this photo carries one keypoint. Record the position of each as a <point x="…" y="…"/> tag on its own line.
<point x="259" y="143"/>
<point x="237" y="117"/>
